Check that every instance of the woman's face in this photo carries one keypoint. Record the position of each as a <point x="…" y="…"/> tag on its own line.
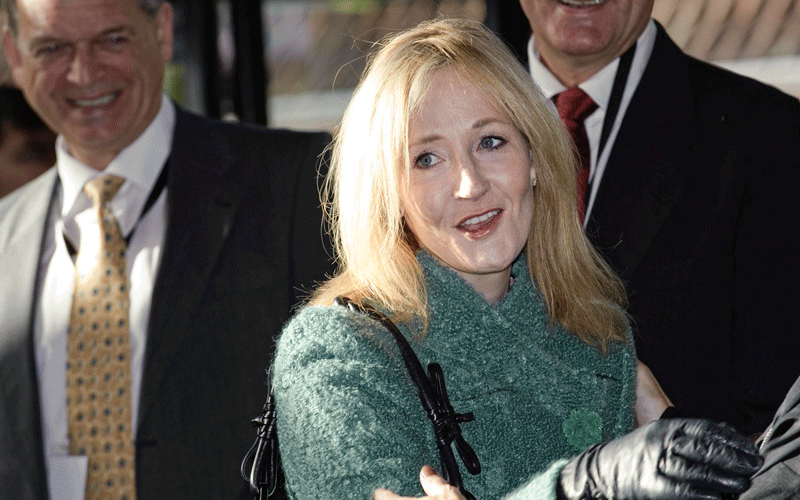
<point x="470" y="197"/>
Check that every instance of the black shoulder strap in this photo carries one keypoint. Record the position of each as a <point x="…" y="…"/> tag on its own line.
<point x="262" y="459"/>
<point x="262" y="462"/>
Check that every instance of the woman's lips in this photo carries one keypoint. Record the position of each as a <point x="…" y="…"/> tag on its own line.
<point x="478" y="226"/>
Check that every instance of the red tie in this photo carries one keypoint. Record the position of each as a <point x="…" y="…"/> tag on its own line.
<point x="573" y="106"/>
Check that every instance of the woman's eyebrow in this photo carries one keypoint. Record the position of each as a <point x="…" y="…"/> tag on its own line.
<point x="426" y="139"/>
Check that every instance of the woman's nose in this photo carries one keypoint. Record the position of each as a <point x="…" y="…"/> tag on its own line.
<point x="471" y="183"/>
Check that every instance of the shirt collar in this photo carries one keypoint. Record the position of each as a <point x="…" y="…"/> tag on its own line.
<point x="599" y="85"/>
<point x="140" y="162"/>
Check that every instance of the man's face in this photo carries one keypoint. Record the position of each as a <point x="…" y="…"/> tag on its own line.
<point x="586" y="32"/>
<point x="92" y="69"/>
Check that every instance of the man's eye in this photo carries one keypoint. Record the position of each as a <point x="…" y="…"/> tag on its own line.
<point x="115" y="41"/>
<point x="50" y="49"/>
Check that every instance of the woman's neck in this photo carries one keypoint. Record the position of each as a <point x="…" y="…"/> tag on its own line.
<point x="492" y="287"/>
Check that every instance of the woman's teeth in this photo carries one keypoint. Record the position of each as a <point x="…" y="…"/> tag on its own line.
<point x="480" y="218"/>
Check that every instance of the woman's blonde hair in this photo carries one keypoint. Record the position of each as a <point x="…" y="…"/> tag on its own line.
<point x="370" y="165"/>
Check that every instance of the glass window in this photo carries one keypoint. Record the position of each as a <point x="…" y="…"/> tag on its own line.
<point x="316" y="50"/>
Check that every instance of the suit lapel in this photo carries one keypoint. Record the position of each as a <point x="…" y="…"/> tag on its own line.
<point x="21" y="237"/>
<point x="201" y="207"/>
<point x="649" y="162"/>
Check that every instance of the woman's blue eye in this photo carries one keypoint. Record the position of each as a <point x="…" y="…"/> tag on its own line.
<point x="491" y="143"/>
<point x="425" y="160"/>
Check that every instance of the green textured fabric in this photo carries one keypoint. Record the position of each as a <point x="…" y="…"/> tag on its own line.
<point x="349" y="419"/>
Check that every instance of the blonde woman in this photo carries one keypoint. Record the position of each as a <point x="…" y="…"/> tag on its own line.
<point x="454" y="213"/>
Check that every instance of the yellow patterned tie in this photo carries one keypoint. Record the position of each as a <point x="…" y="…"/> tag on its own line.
<point x="98" y="354"/>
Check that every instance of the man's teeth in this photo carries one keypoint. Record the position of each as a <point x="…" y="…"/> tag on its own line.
<point x="100" y="101"/>
<point x="481" y="218"/>
<point x="582" y="3"/>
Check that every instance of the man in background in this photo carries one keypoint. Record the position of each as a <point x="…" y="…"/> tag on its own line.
<point x="689" y="179"/>
<point x="27" y="146"/>
<point x="144" y="279"/>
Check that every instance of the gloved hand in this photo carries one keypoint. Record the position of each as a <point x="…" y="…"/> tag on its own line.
<point x="677" y="459"/>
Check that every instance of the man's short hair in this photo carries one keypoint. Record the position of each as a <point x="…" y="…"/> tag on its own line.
<point x="150" y="7"/>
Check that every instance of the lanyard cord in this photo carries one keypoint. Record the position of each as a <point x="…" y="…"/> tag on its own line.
<point x="617" y="90"/>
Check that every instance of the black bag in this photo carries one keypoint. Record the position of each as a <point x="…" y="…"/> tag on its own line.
<point x="261" y="467"/>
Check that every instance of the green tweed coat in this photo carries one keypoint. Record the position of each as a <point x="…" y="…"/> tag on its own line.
<point x="349" y="419"/>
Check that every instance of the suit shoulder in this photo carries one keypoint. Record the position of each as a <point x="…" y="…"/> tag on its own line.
<point x="285" y="157"/>
<point x="243" y="133"/>
<point x="737" y="91"/>
<point x="20" y="197"/>
<point x="259" y="145"/>
<point x="24" y="208"/>
<point x="273" y="134"/>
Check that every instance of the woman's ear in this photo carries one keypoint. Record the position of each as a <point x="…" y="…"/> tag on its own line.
<point x="533" y="176"/>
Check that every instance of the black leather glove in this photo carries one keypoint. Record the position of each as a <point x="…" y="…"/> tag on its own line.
<point x="677" y="459"/>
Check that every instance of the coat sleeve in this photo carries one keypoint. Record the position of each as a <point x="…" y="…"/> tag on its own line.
<point x="541" y="486"/>
<point x="627" y="397"/>
<point x="349" y="420"/>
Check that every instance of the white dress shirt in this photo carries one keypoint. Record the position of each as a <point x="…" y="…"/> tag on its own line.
<point x="70" y="216"/>
<point x="598" y="87"/>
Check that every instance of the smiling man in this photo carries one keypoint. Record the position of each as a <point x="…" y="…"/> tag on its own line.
<point x="692" y="173"/>
<point x="131" y="363"/>
<point x="93" y="74"/>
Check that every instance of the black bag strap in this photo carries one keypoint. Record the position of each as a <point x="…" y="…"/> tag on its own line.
<point x="263" y="461"/>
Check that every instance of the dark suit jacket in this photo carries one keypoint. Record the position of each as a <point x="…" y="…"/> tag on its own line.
<point x="779" y="477"/>
<point x="696" y="211"/>
<point x="243" y="240"/>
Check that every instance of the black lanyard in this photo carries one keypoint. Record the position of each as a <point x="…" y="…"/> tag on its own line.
<point x="158" y="188"/>
<point x="617" y="90"/>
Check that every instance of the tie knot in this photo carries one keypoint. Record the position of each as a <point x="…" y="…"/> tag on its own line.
<point x="574" y="104"/>
<point x="102" y="189"/>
